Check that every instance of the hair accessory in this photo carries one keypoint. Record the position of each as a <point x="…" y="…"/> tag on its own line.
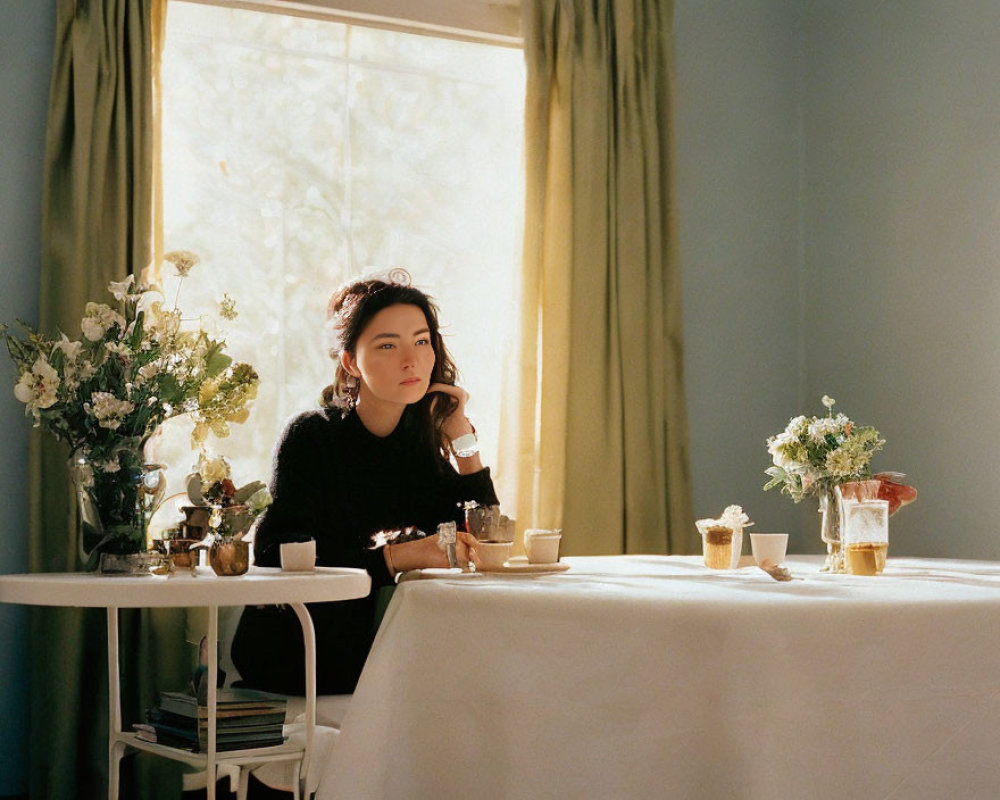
<point x="465" y="446"/>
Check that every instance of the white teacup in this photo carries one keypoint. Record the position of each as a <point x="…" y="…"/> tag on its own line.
<point x="769" y="547"/>
<point x="493" y="554"/>
<point x="298" y="556"/>
<point x="542" y="546"/>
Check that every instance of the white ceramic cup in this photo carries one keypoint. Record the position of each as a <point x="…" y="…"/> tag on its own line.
<point x="493" y="554"/>
<point x="769" y="547"/>
<point x="298" y="556"/>
<point x="542" y="546"/>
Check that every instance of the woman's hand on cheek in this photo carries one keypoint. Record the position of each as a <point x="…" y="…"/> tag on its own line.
<point x="456" y="423"/>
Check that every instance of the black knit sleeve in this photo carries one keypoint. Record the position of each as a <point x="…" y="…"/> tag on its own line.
<point x="474" y="487"/>
<point x="296" y="490"/>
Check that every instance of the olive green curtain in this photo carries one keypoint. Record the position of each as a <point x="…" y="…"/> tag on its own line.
<point x="96" y="227"/>
<point x="602" y="421"/>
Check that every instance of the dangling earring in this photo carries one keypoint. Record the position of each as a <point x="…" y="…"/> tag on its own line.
<point x="351" y="387"/>
<point x="350" y="394"/>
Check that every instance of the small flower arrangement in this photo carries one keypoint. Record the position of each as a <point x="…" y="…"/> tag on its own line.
<point x="138" y="362"/>
<point x="233" y="509"/>
<point x="814" y="454"/>
<point x="733" y="519"/>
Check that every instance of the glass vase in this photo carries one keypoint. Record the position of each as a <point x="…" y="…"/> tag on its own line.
<point x="830" y="532"/>
<point x="114" y="506"/>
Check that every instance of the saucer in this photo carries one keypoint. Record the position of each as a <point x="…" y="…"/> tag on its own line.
<point x="519" y="565"/>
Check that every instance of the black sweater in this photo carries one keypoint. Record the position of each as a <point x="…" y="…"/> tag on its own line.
<point x="335" y="481"/>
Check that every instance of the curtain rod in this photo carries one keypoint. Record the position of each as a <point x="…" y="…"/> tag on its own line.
<point x="315" y="10"/>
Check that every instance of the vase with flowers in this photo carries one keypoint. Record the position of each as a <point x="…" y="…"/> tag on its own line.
<point x="232" y="511"/>
<point x="812" y="456"/>
<point x="137" y="363"/>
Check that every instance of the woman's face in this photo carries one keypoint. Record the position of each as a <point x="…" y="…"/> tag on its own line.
<point x="393" y="357"/>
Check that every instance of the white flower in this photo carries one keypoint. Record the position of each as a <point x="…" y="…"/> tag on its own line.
<point x="38" y="388"/>
<point x="146" y="372"/>
<point x="828" y="401"/>
<point x="819" y="428"/>
<point x="120" y="288"/>
<point x="776" y="443"/>
<point x="735" y="518"/>
<point x="118" y="348"/>
<point x="108" y="410"/>
<point x="98" y="318"/>
<point x="797" y="426"/>
<point x="70" y="349"/>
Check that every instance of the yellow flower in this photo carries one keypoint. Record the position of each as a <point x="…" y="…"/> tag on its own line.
<point x="227" y="308"/>
<point x="206" y="392"/>
<point x="183" y="260"/>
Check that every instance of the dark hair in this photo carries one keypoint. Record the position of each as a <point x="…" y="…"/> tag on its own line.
<point x="350" y="309"/>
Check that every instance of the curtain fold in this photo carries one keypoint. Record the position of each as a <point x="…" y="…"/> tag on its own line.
<point x="602" y="425"/>
<point x="96" y="227"/>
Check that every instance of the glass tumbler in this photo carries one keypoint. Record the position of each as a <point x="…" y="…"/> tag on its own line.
<point x="864" y="529"/>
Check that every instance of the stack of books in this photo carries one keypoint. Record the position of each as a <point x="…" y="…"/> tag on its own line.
<point x="245" y="718"/>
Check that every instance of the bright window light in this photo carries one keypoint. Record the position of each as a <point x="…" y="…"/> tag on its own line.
<point x="299" y="153"/>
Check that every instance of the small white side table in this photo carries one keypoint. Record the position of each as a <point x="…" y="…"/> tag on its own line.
<point x="260" y="586"/>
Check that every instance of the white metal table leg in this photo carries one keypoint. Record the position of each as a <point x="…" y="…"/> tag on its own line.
<point x="212" y="677"/>
<point x="309" y="639"/>
<point x="116" y="748"/>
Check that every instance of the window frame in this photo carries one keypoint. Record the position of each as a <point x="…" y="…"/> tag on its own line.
<point x="496" y="22"/>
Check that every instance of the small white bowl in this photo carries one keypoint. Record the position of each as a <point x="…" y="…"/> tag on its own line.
<point x="493" y="554"/>
<point x="769" y="547"/>
<point x="542" y="546"/>
<point x="298" y="556"/>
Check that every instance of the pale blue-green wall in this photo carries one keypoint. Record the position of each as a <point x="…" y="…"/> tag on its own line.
<point x="738" y="166"/>
<point x="902" y="231"/>
<point x="27" y="31"/>
<point x="838" y="168"/>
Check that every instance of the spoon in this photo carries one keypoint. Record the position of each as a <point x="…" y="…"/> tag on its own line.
<point x="776" y="572"/>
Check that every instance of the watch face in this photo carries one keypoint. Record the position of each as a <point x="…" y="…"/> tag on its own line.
<point x="465" y="445"/>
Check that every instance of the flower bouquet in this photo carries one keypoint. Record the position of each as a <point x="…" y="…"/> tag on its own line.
<point x="814" y="454"/>
<point x="137" y="363"/>
<point x="232" y="512"/>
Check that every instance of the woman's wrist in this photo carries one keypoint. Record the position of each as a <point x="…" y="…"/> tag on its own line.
<point x="415" y="554"/>
<point x="466" y="466"/>
<point x="388" y="561"/>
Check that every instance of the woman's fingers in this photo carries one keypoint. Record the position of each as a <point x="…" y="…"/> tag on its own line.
<point x="467" y="548"/>
<point x="452" y="391"/>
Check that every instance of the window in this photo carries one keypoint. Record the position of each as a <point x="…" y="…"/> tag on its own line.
<point x="299" y="153"/>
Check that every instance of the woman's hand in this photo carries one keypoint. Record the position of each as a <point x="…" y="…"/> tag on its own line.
<point x="456" y="423"/>
<point x="428" y="552"/>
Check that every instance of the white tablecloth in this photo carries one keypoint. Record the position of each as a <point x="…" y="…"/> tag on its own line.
<point x="651" y="676"/>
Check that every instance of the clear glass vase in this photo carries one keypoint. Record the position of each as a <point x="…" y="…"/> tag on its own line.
<point x="830" y="532"/>
<point x="115" y="501"/>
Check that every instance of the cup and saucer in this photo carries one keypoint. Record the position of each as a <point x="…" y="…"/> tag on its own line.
<point x="541" y="549"/>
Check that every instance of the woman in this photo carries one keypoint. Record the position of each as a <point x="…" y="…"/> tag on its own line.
<point x="374" y="461"/>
